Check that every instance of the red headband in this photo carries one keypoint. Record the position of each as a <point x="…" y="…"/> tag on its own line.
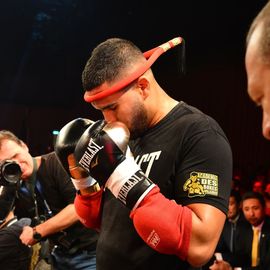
<point x="151" y="55"/>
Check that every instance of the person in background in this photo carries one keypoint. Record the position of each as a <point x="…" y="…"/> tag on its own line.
<point x="237" y="180"/>
<point x="163" y="166"/>
<point x="232" y="226"/>
<point x="258" y="186"/>
<point x="227" y="245"/>
<point x="253" y="205"/>
<point x="13" y="253"/>
<point x="257" y="61"/>
<point x="46" y="195"/>
<point x="267" y="198"/>
<point x="226" y="249"/>
<point x="252" y="249"/>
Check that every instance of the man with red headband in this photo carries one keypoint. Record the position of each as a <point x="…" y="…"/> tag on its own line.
<point x="154" y="176"/>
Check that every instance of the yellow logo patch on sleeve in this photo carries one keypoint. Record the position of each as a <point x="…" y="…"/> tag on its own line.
<point x="201" y="184"/>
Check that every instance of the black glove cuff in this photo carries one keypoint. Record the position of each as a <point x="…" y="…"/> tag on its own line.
<point x="132" y="190"/>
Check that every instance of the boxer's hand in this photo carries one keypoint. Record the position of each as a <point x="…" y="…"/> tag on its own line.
<point x="163" y="224"/>
<point x="103" y="151"/>
<point x="64" y="147"/>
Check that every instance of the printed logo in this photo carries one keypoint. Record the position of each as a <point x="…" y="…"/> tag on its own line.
<point x="94" y="163"/>
<point x="201" y="184"/>
<point x="148" y="159"/>
<point x="153" y="239"/>
<point x="91" y="150"/>
<point x="128" y="185"/>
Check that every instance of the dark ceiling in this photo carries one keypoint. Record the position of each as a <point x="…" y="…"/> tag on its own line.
<point x="46" y="43"/>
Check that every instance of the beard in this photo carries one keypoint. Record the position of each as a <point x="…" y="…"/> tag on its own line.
<point x="139" y="121"/>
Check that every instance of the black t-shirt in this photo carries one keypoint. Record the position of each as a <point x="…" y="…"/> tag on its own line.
<point x="13" y="253"/>
<point x="54" y="191"/>
<point x="188" y="156"/>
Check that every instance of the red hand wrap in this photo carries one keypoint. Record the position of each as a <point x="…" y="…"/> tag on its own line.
<point x="163" y="224"/>
<point x="88" y="209"/>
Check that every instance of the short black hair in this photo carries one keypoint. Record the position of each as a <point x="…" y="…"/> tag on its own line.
<point x="254" y="195"/>
<point x="108" y="60"/>
<point x="236" y="194"/>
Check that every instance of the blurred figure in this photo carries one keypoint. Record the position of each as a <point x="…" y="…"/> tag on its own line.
<point x="237" y="179"/>
<point x="267" y="199"/>
<point x="236" y="184"/>
<point x="257" y="62"/>
<point x="14" y="255"/>
<point x="228" y="241"/>
<point x="258" y="186"/>
<point x="234" y="210"/>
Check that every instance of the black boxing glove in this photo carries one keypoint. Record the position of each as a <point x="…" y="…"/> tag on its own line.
<point x="65" y="145"/>
<point x="103" y="151"/>
<point x="163" y="224"/>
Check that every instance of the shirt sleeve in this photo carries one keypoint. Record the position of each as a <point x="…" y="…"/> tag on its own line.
<point x="61" y="180"/>
<point x="205" y="169"/>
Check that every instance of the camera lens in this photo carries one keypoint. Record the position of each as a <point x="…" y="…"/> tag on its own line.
<point x="11" y="171"/>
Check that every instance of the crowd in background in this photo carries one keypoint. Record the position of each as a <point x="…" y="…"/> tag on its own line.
<point x="245" y="240"/>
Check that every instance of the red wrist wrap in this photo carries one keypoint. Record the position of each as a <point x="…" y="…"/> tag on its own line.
<point x="88" y="209"/>
<point x="163" y="224"/>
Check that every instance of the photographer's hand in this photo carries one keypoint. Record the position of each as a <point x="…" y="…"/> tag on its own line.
<point x="62" y="220"/>
<point x="27" y="236"/>
<point x="220" y="265"/>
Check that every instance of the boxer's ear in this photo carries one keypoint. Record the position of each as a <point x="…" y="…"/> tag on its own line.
<point x="144" y="86"/>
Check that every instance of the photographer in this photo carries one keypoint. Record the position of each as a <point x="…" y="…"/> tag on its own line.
<point x="13" y="253"/>
<point x="46" y="196"/>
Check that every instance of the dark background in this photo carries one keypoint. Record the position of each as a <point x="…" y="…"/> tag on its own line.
<point x="44" y="46"/>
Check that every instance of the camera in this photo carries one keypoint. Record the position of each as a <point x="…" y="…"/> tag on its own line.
<point x="10" y="172"/>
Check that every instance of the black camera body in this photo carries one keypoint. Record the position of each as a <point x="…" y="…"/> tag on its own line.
<point x="10" y="172"/>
